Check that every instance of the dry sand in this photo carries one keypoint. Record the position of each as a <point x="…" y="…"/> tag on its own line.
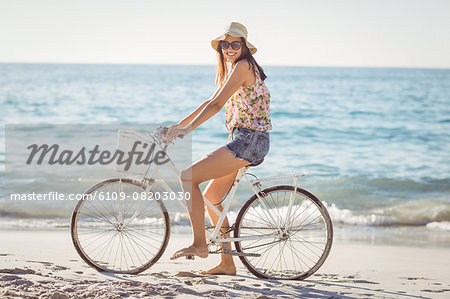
<point x="44" y="264"/>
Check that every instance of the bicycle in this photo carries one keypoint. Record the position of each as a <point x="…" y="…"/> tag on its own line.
<point x="281" y="232"/>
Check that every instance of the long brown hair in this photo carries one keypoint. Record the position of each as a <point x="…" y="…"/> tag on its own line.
<point x="222" y="71"/>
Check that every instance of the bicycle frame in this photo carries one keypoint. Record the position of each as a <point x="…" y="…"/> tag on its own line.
<point x="214" y="236"/>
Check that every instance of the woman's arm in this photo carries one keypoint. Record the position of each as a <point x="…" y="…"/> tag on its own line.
<point x="240" y="74"/>
<point x="191" y="116"/>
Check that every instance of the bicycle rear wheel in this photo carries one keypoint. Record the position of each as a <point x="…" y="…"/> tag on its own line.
<point x="293" y="242"/>
<point x="119" y="228"/>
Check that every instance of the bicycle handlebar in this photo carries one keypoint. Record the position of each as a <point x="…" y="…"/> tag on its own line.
<point x="160" y="133"/>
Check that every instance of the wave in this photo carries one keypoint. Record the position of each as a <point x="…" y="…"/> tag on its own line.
<point x="432" y="214"/>
<point x="363" y="193"/>
<point x="442" y="226"/>
<point x="416" y="213"/>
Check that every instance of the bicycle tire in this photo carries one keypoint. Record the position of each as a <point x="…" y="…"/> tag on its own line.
<point x="118" y="225"/>
<point x="311" y="222"/>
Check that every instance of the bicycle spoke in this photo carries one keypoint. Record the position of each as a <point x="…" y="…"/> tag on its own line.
<point x="303" y="242"/>
<point x="269" y="248"/>
<point x="294" y="250"/>
<point x="96" y="234"/>
<point x="265" y="222"/>
<point x="130" y="239"/>
<point x="92" y="242"/>
<point x="139" y="246"/>
<point x="105" y="250"/>
<point x="99" y="214"/>
<point x="101" y="243"/>
<point x="140" y="234"/>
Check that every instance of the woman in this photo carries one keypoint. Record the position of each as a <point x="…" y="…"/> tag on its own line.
<point x="247" y="99"/>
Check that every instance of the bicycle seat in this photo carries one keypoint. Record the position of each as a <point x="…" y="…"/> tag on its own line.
<point x="256" y="163"/>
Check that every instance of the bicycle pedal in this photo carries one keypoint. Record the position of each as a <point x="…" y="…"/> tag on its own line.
<point x="232" y="252"/>
<point x="190" y="257"/>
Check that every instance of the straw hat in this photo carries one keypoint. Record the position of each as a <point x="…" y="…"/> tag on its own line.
<point x="237" y="30"/>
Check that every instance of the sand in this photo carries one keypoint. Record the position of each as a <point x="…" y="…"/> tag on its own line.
<point x="44" y="264"/>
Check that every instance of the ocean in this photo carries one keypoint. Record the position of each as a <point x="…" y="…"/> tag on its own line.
<point x="375" y="142"/>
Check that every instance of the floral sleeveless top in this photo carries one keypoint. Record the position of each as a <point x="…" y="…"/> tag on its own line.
<point x="248" y="107"/>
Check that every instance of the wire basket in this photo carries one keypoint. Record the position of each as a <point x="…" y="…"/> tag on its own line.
<point x="137" y="152"/>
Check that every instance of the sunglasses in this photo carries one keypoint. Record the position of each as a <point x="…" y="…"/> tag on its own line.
<point x="234" y="45"/>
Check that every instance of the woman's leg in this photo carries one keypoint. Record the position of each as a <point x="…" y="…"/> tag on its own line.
<point x="215" y="192"/>
<point x="217" y="164"/>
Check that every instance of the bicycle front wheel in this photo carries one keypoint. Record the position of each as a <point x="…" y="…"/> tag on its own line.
<point x="118" y="227"/>
<point x="286" y="233"/>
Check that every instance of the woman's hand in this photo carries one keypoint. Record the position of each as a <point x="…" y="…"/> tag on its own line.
<point x="175" y="131"/>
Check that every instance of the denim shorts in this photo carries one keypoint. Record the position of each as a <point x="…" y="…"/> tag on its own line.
<point x="249" y="145"/>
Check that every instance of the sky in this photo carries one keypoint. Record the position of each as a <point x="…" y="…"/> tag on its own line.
<point x="373" y="33"/>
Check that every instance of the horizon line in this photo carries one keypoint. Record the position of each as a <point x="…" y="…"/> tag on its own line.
<point x="213" y="65"/>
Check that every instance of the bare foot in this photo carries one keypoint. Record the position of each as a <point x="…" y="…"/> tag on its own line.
<point x="221" y="270"/>
<point x="191" y="250"/>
